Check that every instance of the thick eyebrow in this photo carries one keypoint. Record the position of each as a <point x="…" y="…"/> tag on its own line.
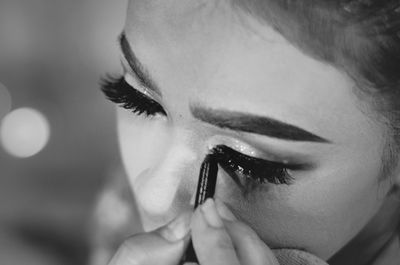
<point x="233" y="120"/>
<point x="137" y="67"/>
<point x="240" y="121"/>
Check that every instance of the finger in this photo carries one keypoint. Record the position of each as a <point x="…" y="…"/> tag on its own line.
<point x="249" y="247"/>
<point x="163" y="246"/>
<point x="211" y="241"/>
<point x="296" y="256"/>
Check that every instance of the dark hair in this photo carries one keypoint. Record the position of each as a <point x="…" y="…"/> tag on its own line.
<point x="360" y="37"/>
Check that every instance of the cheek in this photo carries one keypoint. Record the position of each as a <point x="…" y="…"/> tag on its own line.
<point x="340" y="199"/>
<point x="332" y="211"/>
<point x="321" y="211"/>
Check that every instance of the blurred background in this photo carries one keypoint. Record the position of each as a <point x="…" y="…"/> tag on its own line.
<point x="57" y="132"/>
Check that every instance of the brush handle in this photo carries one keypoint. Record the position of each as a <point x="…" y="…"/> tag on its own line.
<point x="207" y="180"/>
<point x="205" y="189"/>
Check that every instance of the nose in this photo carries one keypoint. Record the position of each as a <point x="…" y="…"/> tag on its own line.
<point x="157" y="189"/>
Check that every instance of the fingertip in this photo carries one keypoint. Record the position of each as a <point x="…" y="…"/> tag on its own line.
<point x="210" y="214"/>
<point x="210" y="238"/>
<point x="177" y="229"/>
<point x="250" y="248"/>
<point x="224" y="211"/>
<point x="149" y="248"/>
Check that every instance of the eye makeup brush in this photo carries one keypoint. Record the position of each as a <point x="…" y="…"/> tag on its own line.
<point x="205" y="189"/>
<point x="207" y="180"/>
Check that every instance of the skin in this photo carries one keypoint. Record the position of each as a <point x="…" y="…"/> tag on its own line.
<point x="205" y="53"/>
<point x="217" y="236"/>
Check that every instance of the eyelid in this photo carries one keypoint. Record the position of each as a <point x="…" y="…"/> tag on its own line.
<point x="280" y="153"/>
<point x="288" y="166"/>
<point x="132" y="79"/>
<point x="132" y="82"/>
<point x="244" y="148"/>
<point x="234" y="144"/>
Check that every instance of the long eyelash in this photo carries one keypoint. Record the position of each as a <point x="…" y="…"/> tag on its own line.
<point x="120" y="92"/>
<point x="256" y="169"/>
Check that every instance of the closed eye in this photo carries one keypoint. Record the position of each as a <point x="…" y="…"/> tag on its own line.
<point x="256" y="169"/>
<point x="117" y="90"/>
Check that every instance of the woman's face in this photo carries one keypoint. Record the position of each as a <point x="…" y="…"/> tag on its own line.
<point x="214" y="69"/>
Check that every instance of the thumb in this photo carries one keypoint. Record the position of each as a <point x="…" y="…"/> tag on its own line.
<point x="165" y="245"/>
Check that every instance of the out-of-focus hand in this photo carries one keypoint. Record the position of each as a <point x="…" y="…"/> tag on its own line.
<point x="164" y="246"/>
<point x="220" y="239"/>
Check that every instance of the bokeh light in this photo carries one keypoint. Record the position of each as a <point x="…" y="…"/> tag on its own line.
<point x="24" y="132"/>
<point x="5" y="101"/>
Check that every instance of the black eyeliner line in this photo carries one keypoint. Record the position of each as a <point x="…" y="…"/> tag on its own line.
<point x="223" y="150"/>
<point x="256" y="169"/>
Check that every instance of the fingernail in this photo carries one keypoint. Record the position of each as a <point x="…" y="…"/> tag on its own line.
<point x="224" y="211"/>
<point x="177" y="229"/>
<point x="210" y="214"/>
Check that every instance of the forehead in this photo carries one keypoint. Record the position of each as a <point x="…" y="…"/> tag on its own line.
<point x="207" y="50"/>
